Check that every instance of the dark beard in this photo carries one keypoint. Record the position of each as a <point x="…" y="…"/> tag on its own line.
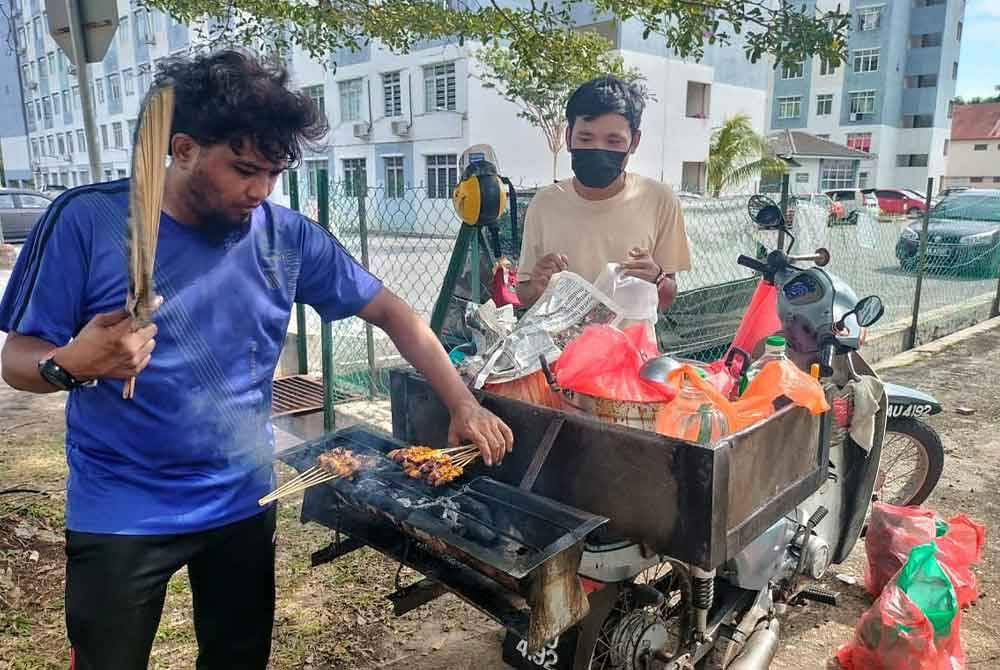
<point x="213" y="224"/>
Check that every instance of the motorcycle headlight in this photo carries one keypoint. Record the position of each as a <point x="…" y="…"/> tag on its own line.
<point x="910" y="234"/>
<point x="978" y="238"/>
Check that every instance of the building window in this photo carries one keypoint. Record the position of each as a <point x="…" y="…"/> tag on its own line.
<point x="954" y="70"/>
<point x="52" y="145"/>
<point x="862" y="180"/>
<point x="826" y="68"/>
<point x="869" y="18"/>
<point x="947" y="143"/>
<point x="442" y="175"/>
<point x="61" y="144"/>
<point x="128" y="79"/>
<point x="99" y="85"/>
<point x="976" y="180"/>
<point x="789" y="107"/>
<point x="440" y="88"/>
<point x="116" y="131"/>
<point x="836" y="174"/>
<point x="928" y="3"/>
<point x="52" y="62"/>
<point x="801" y="177"/>
<point x="350" y="100"/>
<point x="911" y="160"/>
<point x="698" y="95"/>
<point x="918" y="121"/>
<point x="926" y="40"/>
<point x="34" y="148"/>
<point x="114" y="87"/>
<point x="315" y="170"/>
<point x="866" y="60"/>
<point x="980" y="147"/>
<point x="69" y="143"/>
<point x="958" y="32"/>
<point x="47" y="108"/>
<point x="355" y="177"/>
<point x="55" y="105"/>
<point x="792" y="71"/>
<point x="123" y="31"/>
<point x="81" y="140"/>
<point x="122" y="173"/>
<point x="391" y="94"/>
<point x="693" y="177"/>
<point x="144" y="78"/>
<point x="824" y="104"/>
<point x="394" y="185"/>
<point x="927" y="81"/>
<point x="131" y="129"/>
<point x="860" y="142"/>
<point x="824" y="136"/>
<point x="318" y="95"/>
<point x="104" y="138"/>
<point x="862" y="102"/>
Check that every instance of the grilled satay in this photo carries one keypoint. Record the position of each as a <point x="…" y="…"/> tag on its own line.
<point x="339" y="462"/>
<point x="444" y="473"/>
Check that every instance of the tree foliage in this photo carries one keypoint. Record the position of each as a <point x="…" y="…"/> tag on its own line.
<point x="541" y="89"/>
<point x="531" y="29"/>
<point x="736" y="154"/>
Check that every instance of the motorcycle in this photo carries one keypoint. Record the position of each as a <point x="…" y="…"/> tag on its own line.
<point x="651" y="612"/>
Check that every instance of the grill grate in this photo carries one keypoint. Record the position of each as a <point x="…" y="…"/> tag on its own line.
<point x="296" y="394"/>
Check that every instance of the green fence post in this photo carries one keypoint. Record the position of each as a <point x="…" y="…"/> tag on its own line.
<point x="300" y="309"/>
<point x="911" y="336"/>
<point x="996" y="302"/>
<point x="326" y="330"/>
<point x="369" y="332"/>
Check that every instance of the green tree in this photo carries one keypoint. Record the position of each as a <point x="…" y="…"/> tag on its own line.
<point x="541" y="90"/>
<point x="789" y="31"/>
<point x="737" y="153"/>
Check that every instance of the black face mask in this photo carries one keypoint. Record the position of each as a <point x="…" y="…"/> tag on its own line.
<point x="597" y="168"/>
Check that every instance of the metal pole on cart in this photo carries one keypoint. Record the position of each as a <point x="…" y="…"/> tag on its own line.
<point x="911" y="335"/>
<point x="300" y="309"/>
<point x="326" y="330"/>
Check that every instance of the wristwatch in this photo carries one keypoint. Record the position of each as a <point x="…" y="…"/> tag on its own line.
<point x="59" y="377"/>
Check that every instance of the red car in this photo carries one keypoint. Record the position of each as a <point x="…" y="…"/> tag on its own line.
<point x="899" y="200"/>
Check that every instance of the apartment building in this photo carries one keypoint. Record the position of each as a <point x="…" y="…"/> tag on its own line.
<point x="974" y="150"/>
<point x="14" y="168"/>
<point x="892" y="98"/>
<point x="398" y="122"/>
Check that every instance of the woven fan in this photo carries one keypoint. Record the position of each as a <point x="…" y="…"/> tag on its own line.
<point x="145" y="198"/>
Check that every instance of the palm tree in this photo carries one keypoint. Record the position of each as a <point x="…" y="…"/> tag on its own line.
<point x="737" y="154"/>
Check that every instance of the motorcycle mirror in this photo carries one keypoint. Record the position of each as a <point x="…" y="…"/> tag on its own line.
<point x="765" y="213"/>
<point x="867" y="311"/>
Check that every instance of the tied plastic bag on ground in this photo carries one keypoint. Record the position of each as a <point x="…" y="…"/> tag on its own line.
<point x="914" y="625"/>
<point x="604" y="362"/>
<point x="893" y="532"/>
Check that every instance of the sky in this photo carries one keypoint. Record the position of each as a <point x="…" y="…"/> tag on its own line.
<point x="977" y="68"/>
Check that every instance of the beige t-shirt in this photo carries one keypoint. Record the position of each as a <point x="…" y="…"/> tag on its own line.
<point x="593" y="233"/>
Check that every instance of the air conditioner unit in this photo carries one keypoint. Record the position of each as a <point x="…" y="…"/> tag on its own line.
<point x="32" y="85"/>
<point x="362" y="130"/>
<point x="401" y="127"/>
<point x="68" y="158"/>
<point x="857" y="117"/>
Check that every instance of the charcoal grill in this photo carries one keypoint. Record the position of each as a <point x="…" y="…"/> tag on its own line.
<point x="508" y="552"/>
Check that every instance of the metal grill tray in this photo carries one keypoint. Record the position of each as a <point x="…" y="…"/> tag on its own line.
<point x="505" y="531"/>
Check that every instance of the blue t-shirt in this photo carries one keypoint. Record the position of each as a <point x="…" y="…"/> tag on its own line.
<point x="193" y="449"/>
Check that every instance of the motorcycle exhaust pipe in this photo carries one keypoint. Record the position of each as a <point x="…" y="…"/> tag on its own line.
<point x="759" y="649"/>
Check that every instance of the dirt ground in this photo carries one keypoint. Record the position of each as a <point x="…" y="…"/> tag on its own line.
<point x="335" y="616"/>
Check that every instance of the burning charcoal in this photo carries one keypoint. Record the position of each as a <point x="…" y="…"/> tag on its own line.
<point x="478" y="521"/>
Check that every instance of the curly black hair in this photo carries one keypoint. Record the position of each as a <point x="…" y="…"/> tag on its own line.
<point x="606" y="95"/>
<point x="228" y="96"/>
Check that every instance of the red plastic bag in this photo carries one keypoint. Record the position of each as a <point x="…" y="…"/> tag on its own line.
<point x="896" y="635"/>
<point x="604" y="362"/>
<point x="893" y="531"/>
<point x="503" y="288"/>
<point x="760" y="319"/>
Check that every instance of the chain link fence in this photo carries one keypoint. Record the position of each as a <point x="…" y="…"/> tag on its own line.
<point x="406" y="238"/>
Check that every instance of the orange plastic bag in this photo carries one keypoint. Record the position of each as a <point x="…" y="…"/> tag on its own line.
<point x="604" y="362"/>
<point x="688" y="374"/>
<point x="760" y="319"/>
<point x="532" y="389"/>
<point x="778" y="378"/>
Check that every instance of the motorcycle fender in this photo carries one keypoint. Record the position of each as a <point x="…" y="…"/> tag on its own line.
<point x="905" y="402"/>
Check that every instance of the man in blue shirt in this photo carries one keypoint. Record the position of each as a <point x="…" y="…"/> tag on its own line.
<point x="172" y="477"/>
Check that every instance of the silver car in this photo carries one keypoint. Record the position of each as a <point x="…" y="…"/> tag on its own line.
<point x="19" y="210"/>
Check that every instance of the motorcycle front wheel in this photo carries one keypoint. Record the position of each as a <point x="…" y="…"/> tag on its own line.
<point x="912" y="461"/>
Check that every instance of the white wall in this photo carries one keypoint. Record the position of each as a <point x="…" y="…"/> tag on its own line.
<point x="964" y="161"/>
<point x="15" y="154"/>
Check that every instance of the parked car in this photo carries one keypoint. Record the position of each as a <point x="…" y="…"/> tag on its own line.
<point x="19" y="210"/>
<point x="899" y="201"/>
<point x="834" y="209"/>
<point x="853" y="199"/>
<point x="963" y="233"/>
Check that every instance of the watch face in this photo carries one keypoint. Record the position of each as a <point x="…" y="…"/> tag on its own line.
<point x="55" y="375"/>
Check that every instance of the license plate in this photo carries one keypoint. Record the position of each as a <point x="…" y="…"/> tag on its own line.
<point x="937" y="251"/>
<point x="557" y="654"/>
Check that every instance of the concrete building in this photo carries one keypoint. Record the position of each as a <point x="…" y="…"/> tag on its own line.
<point x="398" y="122"/>
<point x="14" y="162"/>
<point x="815" y="164"/>
<point x="892" y="97"/>
<point x="974" y="151"/>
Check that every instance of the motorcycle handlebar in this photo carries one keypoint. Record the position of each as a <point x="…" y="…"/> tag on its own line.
<point x="753" y="264"/>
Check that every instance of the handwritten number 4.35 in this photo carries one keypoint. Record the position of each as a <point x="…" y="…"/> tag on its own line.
<point x="545" y="658"/>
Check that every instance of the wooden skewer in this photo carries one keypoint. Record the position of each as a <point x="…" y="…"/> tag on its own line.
<point x="300" y="486"/>
<point x="294" y="480"/>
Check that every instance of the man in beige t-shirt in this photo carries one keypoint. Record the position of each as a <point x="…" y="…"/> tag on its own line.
<point x="603" y="214"/>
